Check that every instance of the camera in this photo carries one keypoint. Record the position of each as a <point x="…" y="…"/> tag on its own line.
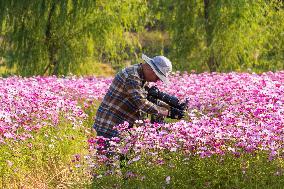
<point x="177" y="108"/>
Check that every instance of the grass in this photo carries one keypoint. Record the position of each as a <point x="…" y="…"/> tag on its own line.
<point x="247" y="171"/>
<point x="59" y="157"/>
<point x="89" y="68"/>
<point x="46" y="160"/>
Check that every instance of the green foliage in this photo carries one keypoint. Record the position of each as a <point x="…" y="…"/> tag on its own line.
<point x="224" y="35"/>
<point x="51" y="37"/>
<point x="54" y="38"/>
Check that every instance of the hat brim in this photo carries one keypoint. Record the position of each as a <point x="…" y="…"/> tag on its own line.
<point x="150" y="62"/>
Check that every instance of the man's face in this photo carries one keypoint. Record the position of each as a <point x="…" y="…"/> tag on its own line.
<point x="151" y="76"/>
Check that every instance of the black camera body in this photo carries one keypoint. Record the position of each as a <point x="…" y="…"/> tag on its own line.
<point x="177" y="108"/>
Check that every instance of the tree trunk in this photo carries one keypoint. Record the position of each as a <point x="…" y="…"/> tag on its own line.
<point x="211" y="62"/>
<point x="52" y="66"/>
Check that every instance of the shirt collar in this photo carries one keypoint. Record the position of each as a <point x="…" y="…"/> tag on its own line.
<point x="140" y="71"/>
<point x="141" y="74"/>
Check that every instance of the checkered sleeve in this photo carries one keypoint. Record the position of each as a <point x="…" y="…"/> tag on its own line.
<point x="138" y="97"/>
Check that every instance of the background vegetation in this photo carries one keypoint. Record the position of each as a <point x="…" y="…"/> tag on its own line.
<point x="49" y="37"/>
<point x="99" y="37"/>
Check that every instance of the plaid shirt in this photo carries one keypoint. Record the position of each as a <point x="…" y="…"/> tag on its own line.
<point x="124" y="101"/>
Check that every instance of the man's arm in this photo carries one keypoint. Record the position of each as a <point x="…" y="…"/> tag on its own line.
<point x="139" y="99"/>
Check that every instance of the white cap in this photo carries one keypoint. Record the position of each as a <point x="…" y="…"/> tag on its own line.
<point x="161" y="65"/>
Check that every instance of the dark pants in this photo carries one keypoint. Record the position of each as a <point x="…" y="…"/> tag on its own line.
<point x="122" y="158"/>
<point x="103" y="135"/>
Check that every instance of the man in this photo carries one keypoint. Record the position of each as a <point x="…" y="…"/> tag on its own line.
<point x="126" y="96"/>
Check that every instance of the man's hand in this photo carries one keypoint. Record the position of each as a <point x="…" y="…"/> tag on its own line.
<point x="175" y="113"/>
<point x="163" y="111"/>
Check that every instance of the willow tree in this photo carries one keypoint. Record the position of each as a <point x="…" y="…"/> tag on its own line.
<point x="225" y="35"/>
<point x="55" y="37"/>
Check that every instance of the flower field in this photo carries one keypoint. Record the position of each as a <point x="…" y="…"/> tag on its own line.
<point x="231" y="137"/>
